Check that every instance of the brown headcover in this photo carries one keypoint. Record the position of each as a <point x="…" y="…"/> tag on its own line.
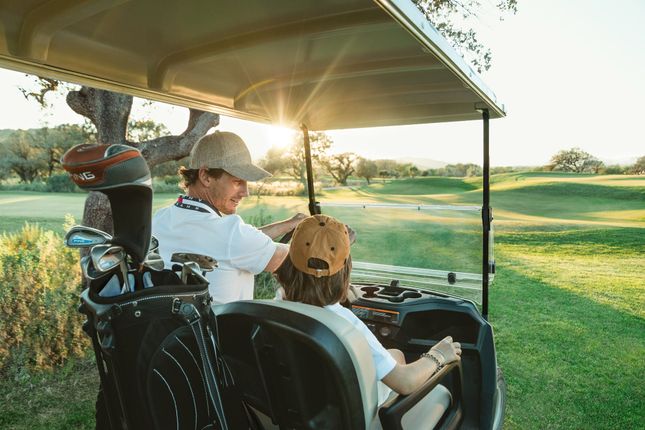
<point x="120" y="172"/>
<point x="99" y="167"/>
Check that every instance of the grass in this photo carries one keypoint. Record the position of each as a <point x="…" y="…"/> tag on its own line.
<point x="567" y="305"/>
<point x="58" y="400"/>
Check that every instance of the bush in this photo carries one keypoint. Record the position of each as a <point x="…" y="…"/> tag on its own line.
<point x="278" y="188"/>
<point x="36" y="186"/>
<point x="265" y="286"/>
<point x="40" y="284"/>
<point x="166" y="184"/>
<point x="61" y="183"/>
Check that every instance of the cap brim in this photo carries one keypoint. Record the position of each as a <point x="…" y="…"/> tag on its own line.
<point x="248" y="172"/>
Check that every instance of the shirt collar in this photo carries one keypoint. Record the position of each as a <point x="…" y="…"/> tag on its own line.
<point x="196" y="204"/>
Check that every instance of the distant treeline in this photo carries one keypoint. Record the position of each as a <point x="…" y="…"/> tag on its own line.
<point x="29" y="160"/>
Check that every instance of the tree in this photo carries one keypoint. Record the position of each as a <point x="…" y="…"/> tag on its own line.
<point x="366" y="169"/>
<point x="22" y="156"/>
<point x="275" y="160"/>
<point x="340" y="166"/>
<point x="55" y="141"/>
<point x="145" y="129"/>
<point x="109" y="112"/>
<point x="452" y="18"/>
<point x="574" y="160"/>
<point x="319" y="143"/>
<point x="639" y="167"/>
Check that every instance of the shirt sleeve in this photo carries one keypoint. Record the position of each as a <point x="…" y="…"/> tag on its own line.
<point x="249" y="249"/>
<point x="383" y="361"/>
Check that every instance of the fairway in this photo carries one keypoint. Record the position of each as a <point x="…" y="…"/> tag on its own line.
<point x="568" y="301"/>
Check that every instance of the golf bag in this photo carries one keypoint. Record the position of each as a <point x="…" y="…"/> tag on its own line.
<point x="156" y="356"/>
<point x="155" y="344"/>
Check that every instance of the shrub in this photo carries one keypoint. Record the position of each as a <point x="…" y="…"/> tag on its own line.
<point x="61" y="183"/>
<point x="265" y="286"/>
<point x="36" y="186"/>
<point x="166" y="184"/>
<point x="39" y="289"/>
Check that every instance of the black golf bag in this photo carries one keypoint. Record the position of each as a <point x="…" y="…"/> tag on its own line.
<point x="155" y="343"/>
<point x="156" y="357"/>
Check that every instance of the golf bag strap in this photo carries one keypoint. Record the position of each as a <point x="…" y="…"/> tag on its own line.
<point x="192" y="317"/>
<point x="248" y="417"/>
<point x="107" y="386"/>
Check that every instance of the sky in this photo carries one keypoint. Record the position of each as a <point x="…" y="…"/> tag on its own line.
<point x="570" y="73"/>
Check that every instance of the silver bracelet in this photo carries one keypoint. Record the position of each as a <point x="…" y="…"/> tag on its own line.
<point x="433" y="358"/>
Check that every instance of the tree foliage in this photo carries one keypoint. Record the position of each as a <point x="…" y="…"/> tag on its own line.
<point x="367" y="169"/>
<point x="291" y="160"/>
<point x="35" y="154"/>
<point x="459" y="170"/>
<point x="575" y="160"/>
<point x="639" y="167"/>
<point x="340" y="166"/>
<point x="453" y="19"/>
<point x="21" y="156"/>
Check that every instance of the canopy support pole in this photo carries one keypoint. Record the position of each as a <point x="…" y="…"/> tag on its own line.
<point x="314" y="206"/>
<point x="486" y="215"/>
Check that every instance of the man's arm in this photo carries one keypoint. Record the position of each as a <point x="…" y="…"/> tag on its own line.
<point x="281" y="228"/>
<point x="281" y="252"/>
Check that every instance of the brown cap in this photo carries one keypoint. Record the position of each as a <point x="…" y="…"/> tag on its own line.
<point x="321" y="237"/>
<point x="226" y="151"/>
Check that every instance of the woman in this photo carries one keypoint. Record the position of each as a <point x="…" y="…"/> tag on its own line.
<point x="317" y="272"/>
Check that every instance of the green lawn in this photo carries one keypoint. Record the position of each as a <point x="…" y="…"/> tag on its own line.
<point x="567" y="305"/>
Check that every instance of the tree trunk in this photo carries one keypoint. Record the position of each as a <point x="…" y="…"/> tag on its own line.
<point x="109" y="112"/>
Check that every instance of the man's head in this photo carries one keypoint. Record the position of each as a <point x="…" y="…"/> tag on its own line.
<point x="319" y="264"/>
<point x="220" y="167"/>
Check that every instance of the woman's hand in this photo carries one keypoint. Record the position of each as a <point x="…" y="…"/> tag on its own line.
<point x="446" y="351"/>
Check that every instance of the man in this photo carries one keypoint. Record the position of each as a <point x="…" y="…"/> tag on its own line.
<point x="203" y="221"/>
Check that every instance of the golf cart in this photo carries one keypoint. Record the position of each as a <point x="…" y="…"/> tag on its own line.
<point x="311" y="65"/>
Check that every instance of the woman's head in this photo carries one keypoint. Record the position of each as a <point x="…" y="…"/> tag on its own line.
<point x="318" y="267"/>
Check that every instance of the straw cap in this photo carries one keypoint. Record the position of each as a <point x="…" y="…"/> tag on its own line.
<point x="226" y="151"/>
<point x="321" y="237"/>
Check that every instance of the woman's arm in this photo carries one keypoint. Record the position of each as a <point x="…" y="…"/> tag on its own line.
<point x="407" y="378"/>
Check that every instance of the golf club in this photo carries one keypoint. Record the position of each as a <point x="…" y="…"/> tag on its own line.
<point x="153" y="261"/>
<point x="154" y="244"/>
<point x="191" y="267"/>
<point x="81" y="236"/>
<point x="106" y="257"/>
<point x="205" y="262"/>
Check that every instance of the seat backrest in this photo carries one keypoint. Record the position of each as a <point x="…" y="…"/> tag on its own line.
<point x="303" y="366"/>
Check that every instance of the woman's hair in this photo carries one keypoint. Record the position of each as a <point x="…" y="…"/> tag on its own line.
<point x="190" y="176"/>
<point x="318" y="291"/>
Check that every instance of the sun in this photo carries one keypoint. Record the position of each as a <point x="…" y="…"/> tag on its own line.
<point x="278" y="136"/>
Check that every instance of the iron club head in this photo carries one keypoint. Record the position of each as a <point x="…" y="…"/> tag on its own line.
<point x="81" y="236"/>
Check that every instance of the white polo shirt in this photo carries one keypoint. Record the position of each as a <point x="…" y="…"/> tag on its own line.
<point x="241" y="250"/>
<point x="383" y="360"/>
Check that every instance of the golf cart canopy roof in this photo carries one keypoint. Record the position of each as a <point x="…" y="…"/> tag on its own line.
<point x="325" y="64"/>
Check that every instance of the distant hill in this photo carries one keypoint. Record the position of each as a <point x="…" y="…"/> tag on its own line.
<point x="623" y="161"/>
<point x="422" y="163"/>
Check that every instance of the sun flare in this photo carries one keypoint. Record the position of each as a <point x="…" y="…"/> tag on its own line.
<point x="279" y="136"/>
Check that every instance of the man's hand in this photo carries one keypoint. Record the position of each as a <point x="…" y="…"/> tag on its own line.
<point x="351" y="233"/>
<point x="296" y="219"/>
